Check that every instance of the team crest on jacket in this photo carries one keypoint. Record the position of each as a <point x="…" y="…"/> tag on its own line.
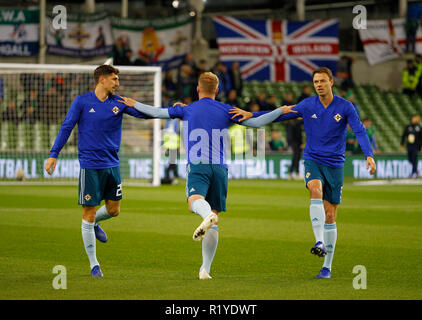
<point x="115" y="110"/>
<point x="338" y="117"/>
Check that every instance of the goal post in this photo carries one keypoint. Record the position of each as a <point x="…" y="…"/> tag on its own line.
<point x="34" y="99"/>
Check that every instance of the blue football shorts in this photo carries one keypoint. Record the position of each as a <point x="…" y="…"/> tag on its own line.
<point x="210" y="181"/>
<point x="98" y="184"/>
<point x="331" y="179"/>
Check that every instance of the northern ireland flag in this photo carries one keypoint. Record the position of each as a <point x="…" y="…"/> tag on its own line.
<point x="277" y="50"/>
<point x="386" y="39"/>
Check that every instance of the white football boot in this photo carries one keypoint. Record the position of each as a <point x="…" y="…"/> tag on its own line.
<point x="203" y="275"/>
<point x="208" y="222"/>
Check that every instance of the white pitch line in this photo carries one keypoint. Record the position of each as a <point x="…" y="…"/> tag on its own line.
<point x="388" y="182"/>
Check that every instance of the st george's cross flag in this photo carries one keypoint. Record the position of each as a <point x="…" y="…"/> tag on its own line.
<point x="277" y="50"/>
<point x="385" y="40"/>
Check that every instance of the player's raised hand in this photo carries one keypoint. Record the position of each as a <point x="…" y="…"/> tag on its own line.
<point x="51" y="162"/>
<point x="180" y="104"/>
<point x="370" y="163"/>
<point x="127" y="101"/>
<point x="237" y="112"/>
<point x="288" y="109"/>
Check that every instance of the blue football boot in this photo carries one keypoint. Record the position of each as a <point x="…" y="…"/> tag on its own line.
<point x="324" y="273"/>
<point x="100" y="234"/>
<point x="319" y="249"/>
<point x="96" y="272"/>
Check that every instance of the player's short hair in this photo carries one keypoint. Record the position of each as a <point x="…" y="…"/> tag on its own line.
<point x="104" y="70"/>
<point x="323" y="70"/>
<point x="208" y="82"/>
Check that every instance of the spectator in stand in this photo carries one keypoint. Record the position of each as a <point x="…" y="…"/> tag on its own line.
<point x="344" y="72"/>
<point x="185" y="82"/>
<point x="202" y="67"/>
<point x="188" y="60"/>
<point x="306" y="93"/>
<point x="28" y="80"/>
<point x="262" y="101"/>
<point x="254" y="107"/>
<point x="121" y="45"/>
<point x="295" y="142"/>
<point x="410" y="78"/>
<point x="127" y="58"/>
<point x="224" y="84"/>
<point x="348" y="95"/>
<point x="169" y="86"/>
<point x="294" y="138"/>
<point x="30" y="107"/>
<point x="414" y="12"/>
<point x="288" y="99"/>
<point x="351" y="98"/>
<point x="370" y="131"/>
<point x="232" y="98"/>
<point x="276" y="144"/>
<point x="236" y="78"/>
<point x="272" y="103"/>
<point x="412" y="135"/>
<point x="11" y="113"/>
<point x="166" y="101"/>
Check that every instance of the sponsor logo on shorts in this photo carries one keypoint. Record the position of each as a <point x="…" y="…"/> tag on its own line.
<point x="308" y="174"/>
<point x="192" y="190"/>
<point x="115" y="110"/>
<point x="87" y="197"/>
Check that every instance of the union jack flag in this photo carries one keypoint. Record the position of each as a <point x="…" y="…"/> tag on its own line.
<point x="277" y="50"/>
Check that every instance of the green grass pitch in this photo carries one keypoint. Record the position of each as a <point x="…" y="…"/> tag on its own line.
<point x="263" y="252"/>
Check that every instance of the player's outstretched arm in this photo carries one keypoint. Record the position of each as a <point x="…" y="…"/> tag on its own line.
<point x="264" y="118"/>
<point x="153" y="112"/>
<point x="50" y="165"/>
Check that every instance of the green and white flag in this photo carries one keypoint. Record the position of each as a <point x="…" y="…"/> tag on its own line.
<point x="160" y="42"/>
<point x="86" y="35"/>
<point x="19" y="32"/>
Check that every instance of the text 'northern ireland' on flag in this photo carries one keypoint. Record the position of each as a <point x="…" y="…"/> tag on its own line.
<point x="277" y="50"/>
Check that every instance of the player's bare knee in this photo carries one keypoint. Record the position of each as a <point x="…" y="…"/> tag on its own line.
<point x="315" y="193"/>
<point x="88" y="213"/>
<point x="315" y="189"/>
<point x="113" y="211"/>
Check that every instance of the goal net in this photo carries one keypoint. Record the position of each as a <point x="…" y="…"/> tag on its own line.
<point x="34" y="99"/>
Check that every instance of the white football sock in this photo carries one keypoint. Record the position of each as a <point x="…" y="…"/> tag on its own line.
<point x="102" y="214"/>
<point x="201" y="207"/>
<point x="330" y="238"/>
<point x="317" y="214"/>
<point x="209" y="246"/>
<point x="88" y="237"/>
